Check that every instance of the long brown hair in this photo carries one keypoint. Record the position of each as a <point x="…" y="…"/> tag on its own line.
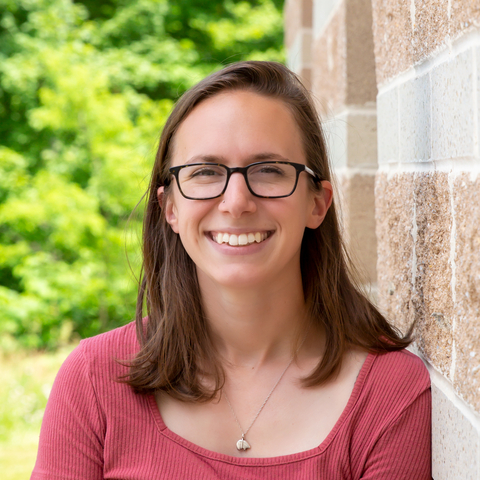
<point x="176" y="349"/>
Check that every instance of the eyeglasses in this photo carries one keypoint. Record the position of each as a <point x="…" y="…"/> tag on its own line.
<point x="204" y="181"/>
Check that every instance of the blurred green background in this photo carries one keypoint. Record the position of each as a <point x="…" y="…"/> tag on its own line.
<point x="85" y="88"/>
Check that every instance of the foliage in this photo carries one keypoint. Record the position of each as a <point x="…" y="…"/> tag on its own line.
<point x="85" y="88"/>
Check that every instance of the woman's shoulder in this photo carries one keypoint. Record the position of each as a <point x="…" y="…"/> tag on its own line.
<point x="104" y="355"/>
<point x="119" y="341"/>
<point x="397" y="378"/>
<point x="401" y="366"/>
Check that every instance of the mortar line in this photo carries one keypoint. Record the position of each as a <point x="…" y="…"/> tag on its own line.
<point x="441" y="55"/>
<point x="453" y="232"/>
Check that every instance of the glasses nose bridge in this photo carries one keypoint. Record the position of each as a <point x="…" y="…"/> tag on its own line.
<point x="241" y="170"/>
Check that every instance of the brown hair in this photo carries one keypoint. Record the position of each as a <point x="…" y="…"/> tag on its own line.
<point x="176" y="348"/>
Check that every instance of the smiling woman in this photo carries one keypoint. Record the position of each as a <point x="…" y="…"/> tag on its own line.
<point x="259" y="355"/>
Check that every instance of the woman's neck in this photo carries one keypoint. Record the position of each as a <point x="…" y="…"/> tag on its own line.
<point x="252" y="326"/>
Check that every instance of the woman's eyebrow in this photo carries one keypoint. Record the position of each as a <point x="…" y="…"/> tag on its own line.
<point x="257" y="157"/>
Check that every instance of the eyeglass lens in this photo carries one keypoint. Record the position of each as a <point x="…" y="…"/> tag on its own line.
<point x="265" y="179"/>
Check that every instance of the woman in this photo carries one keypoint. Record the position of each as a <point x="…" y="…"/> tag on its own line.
<point x="259" y="357"/>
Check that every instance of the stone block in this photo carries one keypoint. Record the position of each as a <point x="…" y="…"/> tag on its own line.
<point x="415" y="120"/>
<point x="431" y="27"/>
<point x="453" y="108"/>
<point x="292" y="20"/>
<point x="357" y="206"/>
<point x="329" y="65"/>
<point x="298" y="15"/>
<point x="352" y="139"/>
<point x="361" y="139"/>
<point x="387" y="126"/>
<point x="394" y="212"/>
<point x="361" y="82"/>
<point x="392" y="34"/>
<point x="432" y="296"/>
<point x="464" y="15"/>
<point x="322" y="11"/>
<point x="467" y="288"/>
<point x="299" y="55"/>
<point x="455" y="442"/>
<point x="335" y="131"/>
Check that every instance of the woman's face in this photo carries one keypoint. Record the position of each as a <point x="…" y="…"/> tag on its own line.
<point x="236" y="129"/>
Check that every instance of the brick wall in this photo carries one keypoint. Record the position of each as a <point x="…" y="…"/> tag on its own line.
<point x="413" y="68"/>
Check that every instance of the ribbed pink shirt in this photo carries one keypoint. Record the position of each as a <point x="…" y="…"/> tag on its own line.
<point x="95" y="427"/>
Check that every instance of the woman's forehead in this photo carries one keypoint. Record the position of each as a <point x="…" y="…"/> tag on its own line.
<point x="238" y="124"/>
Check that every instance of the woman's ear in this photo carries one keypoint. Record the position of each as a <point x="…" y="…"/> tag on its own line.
<point x="322" y="202"/>
<point x="169" y="208"/>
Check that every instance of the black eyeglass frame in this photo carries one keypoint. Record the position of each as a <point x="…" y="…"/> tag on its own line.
<point x="299" y="167"/>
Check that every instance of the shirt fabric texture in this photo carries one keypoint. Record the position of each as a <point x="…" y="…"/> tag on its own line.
<point x="97" y="428"/>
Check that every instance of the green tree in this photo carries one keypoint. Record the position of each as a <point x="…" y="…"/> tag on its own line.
<point x="85" y="88"/>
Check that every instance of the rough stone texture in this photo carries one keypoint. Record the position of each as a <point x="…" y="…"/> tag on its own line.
<point x="361" y="83"/>
<point x="464" y="16"/>
<point x="392" y="33"/>
<point x="415" y="120"/>
<point x="329" y="65"/>
<point x="432" y="294"/>
<point x="394" y="211"/>
<point x="455" y="442"/>
<point x="453" y="108"/>
<point x="467" y="288"/>
<point x="388" y="118"/>
<point x="357" y="204"/>
<point x="431" y="26"/>
<point x="406" y="32"/>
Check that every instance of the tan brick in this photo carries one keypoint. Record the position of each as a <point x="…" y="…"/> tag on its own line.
<point x="402" y="41"/>
<point x="298" y="14"/>
<point x="357" y="206"/>
<point x="467" y="288"/>
<point x="307" y="13"/>
<point x="392" y="33"/>
<point x="394" y="210"/>
<point x="430" y="28"/>
<point x="361" y="82"/>
<point x="292" y="20"/>
<point x="329" y="75"/>
<point x="465" y="15"/>
<point x="432" y="294"/>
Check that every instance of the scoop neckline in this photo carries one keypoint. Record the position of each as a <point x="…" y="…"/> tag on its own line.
<point x="258" y="461"/>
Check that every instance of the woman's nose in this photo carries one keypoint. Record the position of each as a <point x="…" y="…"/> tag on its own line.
<point x="237" y="198"/>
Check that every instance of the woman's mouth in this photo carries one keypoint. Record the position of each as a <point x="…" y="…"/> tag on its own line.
<point x="240" y="240"/>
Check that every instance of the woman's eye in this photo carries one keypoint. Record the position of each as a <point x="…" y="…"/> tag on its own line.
<point x="270" y="170"/>
<point x="204" y="172"/>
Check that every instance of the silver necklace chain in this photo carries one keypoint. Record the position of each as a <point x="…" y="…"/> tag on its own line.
<point x="242" y="444"/>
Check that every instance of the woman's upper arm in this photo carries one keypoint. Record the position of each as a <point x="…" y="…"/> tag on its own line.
<point x="72" y="434"/>
<point x="403" y="452"/>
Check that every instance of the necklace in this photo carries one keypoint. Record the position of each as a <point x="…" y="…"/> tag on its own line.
<point x="242" y="444"/>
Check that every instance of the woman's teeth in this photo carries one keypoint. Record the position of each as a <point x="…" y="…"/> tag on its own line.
<point x="242" y="239"/>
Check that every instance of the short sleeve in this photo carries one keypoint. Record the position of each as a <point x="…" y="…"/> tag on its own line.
<point x="73" y="427"/>
<point x="403" y="452"/>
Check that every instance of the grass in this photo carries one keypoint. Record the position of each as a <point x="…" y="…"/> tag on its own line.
<point x="26" y="380"/>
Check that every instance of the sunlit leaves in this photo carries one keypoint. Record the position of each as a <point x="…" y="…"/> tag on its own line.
<point x="85" y="88"/>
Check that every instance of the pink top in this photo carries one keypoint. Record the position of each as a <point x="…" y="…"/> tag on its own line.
<point x="95" y="427"/>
